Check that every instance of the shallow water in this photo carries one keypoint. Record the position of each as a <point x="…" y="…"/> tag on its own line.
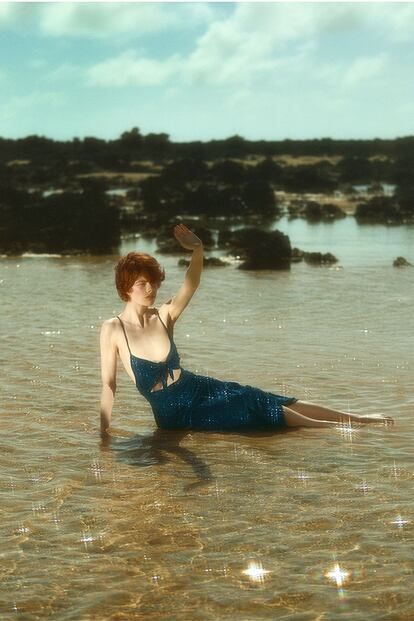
<point x="359" y="245"/>
<point x="299" y="525"/>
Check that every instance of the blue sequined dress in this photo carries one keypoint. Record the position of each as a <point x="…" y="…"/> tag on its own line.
<point x="201" y="402"/>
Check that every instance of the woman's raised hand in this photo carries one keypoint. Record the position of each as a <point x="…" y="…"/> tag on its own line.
<point x="187" y="238"/>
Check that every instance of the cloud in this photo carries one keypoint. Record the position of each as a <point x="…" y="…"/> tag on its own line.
<point x="261" y="40"/>
<point x="347" y="75"/>
<point x="19" y="14"/>
<point x="131" y="69"/>
<point x="270" y="46"/>
<point x="394" y="21"/>
<point x="364" y="69"/>
<point x="64" y="72"/>
<point x="240" y="50"/>
<point x="278" y="21"/>
<point x="243" y="46"/>
<point x="5" y="13"/>
<point x="106" y="20"/>
<point x="90" y="19"/>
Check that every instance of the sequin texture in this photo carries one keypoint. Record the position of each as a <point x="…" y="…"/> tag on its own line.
<point x="202" y="402"/>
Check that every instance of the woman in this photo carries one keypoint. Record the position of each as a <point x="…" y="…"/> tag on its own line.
<point x="179" y="398"/>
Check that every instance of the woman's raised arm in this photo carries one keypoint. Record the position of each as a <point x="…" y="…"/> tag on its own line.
<point x="190" y="241"/>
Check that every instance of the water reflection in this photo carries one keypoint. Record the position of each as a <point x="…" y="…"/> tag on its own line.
<point x="256" y="572"/>
<point x="348" y="430"/>
<point x="400" y="522"/>
<point x="153" y="449"/>
<point x="338" y="575"/>
<point x="87" y="517"/>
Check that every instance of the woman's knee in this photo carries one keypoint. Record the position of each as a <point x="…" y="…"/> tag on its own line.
<point x="301" y="406"/>
<point x="293" y="418"/>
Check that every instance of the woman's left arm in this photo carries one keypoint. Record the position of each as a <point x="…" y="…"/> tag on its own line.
<point x="190" y="241"/>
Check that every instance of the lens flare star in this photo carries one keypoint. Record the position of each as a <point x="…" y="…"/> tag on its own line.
<point x="255" y="572"/>
<point x="338" y="575"/>
<point x="400" y="522"/>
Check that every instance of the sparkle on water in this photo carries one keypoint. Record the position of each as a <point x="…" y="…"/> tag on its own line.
<point x="400" y="522"/>
<point x="347" y="430"/>
<point x="338" y="575"/>
<point x="256" y="572"/>
<point x="302" y="524"/>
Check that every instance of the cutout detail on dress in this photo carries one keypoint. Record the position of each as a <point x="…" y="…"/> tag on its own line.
<point x="145" y="369"/>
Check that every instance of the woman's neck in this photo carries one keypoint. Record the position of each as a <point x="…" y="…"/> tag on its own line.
<point x="137" y="314"/>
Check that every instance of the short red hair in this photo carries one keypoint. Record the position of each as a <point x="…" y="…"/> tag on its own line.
<point x="133" y="265"/>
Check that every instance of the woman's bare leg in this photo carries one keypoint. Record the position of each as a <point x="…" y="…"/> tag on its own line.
<point x="319" y="412"/>
<point x="293" y="419"/>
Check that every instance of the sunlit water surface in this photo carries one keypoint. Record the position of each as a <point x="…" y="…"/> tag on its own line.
<point x="305" y="524"/>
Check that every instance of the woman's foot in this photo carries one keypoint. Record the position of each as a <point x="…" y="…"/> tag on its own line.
<point x="377" y="418"/>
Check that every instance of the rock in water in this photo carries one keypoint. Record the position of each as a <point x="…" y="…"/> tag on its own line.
<point x="318" y="258"/>
<point x="207" y="262"/>
<point x="261" y="249"/>
<point x="401" y="262"/>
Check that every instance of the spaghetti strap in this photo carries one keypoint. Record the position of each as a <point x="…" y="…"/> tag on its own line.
<point x="163" y="324"/>
<point x="126" y="338"/>
<point x="200" y="402"/>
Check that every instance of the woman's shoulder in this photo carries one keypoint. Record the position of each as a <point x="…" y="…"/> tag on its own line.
<point x="166" y="305"/>
<point x="109" y="332"/>
<point x="110" y="325"/>
<point x="111" y="320"/>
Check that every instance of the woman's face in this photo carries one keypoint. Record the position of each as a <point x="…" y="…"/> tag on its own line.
<point x="143" y="291"/>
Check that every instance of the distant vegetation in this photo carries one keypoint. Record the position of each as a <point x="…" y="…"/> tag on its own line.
<point x="80" y="196"/>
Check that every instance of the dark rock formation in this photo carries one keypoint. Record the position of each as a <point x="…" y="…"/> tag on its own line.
<point x="260" y="249"/>
<point x="207" y="262"/>
<point x="401" y="262"/>
<point x="314" y="211"/>
<point x="313" y="258"/>
<point x="381" y="209"/>
<point x="317" y="258"/>
<point x="297" y="255"/>
<point x="224" y="239"/>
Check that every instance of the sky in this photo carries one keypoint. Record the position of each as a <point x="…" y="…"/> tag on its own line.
<point x="202" y="71"/>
